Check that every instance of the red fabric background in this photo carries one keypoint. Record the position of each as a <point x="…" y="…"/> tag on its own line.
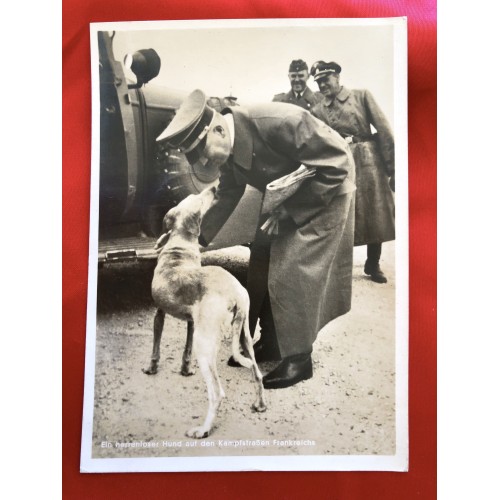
<point x="420" y="481"/>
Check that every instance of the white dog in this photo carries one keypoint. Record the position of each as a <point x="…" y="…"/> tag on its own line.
<point x="209" y="298"/>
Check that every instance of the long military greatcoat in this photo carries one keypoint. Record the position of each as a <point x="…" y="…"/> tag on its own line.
<point x="351" y="113"/>
<point x="307" y="100"/>
<point x="310" y="264"/>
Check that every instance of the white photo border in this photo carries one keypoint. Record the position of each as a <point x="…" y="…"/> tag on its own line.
<point x="396" y="462"/>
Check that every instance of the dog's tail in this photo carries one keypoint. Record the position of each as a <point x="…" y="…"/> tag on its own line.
<point x="241" y="330"/>
<point x="256" y="336"/>
<point x="242" y="360"/>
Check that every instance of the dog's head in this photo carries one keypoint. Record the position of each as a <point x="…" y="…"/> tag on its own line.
<point x="185" y="219"/>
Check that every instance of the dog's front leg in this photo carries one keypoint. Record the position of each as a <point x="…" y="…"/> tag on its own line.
<point x="186" y="368"/>
<point x="157" y="331"/>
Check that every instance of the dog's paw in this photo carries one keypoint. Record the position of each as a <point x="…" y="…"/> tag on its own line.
<point x="187" y="371"/>
<point x="152" y="369"/>
<point x="197" y="432"/>
<point x="259" y="406"/>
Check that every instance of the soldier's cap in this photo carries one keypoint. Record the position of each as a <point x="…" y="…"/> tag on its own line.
<point x="321" y="69"/>
<point x="297" y="65"/>
<point x="190" y="124"/>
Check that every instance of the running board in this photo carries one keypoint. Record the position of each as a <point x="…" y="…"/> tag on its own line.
<point x="127" y="249"/>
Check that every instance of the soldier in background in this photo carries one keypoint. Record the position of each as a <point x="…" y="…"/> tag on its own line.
<point x="352" y="113"/>
<point x="300" y="94"/>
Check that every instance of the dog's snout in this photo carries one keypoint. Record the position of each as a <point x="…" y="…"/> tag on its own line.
<point x="213" y="189"/>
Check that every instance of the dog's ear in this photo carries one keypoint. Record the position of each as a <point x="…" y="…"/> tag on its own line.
<point x="168" y="222"/>
<point x="162" y="240"/>
<point x="192" y="223"/>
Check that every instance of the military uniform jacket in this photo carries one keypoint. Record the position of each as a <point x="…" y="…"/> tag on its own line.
<point x="305" y="290"/>
<point x="307" y="100"/>
<point x="351" y="113"/>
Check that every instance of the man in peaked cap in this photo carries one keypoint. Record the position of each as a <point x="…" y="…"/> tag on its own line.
<point x="352" y="113"/>
<point x="305" y="271"/>
<point x="190" y="125"/>
<point x="300" y="94"/>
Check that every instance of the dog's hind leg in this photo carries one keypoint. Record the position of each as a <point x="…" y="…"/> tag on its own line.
<point x="247" y="346"/>
<point x="205" y="348"/>
<point x="186" y="368"/>
<point x="157" y="331"/>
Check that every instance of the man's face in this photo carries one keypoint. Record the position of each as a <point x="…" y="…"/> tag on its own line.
<point x="298" y="80"/>
<point x="329" y="85"/>
<point x="218" y="146"/>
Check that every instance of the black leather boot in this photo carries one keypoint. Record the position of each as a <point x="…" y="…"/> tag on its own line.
<point x="290" y="371"/>
<point x="372" y="266"/>
<point x="265" y="352"/>
<point x="375" y="273"/>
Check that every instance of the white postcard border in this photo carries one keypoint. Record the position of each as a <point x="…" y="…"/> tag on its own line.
<point x="397" y="462"/>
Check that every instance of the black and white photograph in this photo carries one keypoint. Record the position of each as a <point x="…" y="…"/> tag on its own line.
<point x="248" y="248"/>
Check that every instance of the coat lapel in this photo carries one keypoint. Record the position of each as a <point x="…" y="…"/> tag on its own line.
<point x="336" y="111"/>
<point x="290" y="97"/>
<point x="309" y="97"/>
<point x="343" y="112"/>
<point x="243" y="145"/>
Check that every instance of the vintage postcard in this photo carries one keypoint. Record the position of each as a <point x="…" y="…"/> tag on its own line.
<point x="272" y="95"/>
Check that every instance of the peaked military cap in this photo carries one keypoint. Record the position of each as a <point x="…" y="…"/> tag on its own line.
<point x="321" y="68"/>
<point x="297" y="65"/>
<point x="190" y="124"/>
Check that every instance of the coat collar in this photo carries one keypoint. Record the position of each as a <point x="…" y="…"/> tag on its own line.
<point x="342" y="96"/>
<point x="243" y="143"/>
<point x="307" y="95"/>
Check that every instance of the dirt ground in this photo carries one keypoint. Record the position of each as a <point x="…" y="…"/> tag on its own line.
<point x="347" y="408"/>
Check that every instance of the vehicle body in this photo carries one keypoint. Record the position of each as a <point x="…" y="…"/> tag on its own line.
<point x="140" y="179"/>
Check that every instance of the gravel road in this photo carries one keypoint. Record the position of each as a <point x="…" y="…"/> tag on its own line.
<point x="347" y="408"/>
